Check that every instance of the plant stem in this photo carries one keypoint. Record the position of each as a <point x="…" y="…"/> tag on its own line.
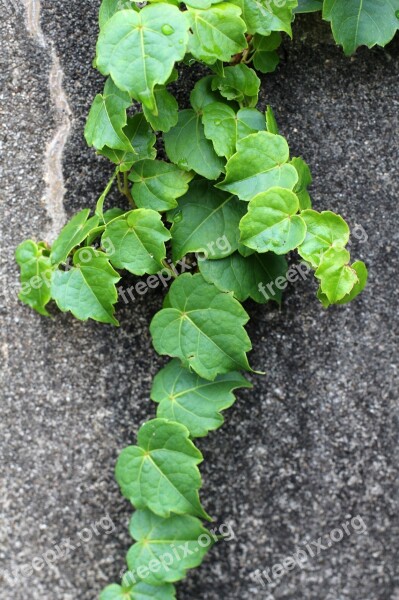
<point x="126" y="190"/>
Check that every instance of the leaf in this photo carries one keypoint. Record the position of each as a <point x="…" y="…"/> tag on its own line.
<point x="271" y="123"/>
<point x="201" y="3"/>
<point x="259" y="164"/>
<point x="217" y="33"/>
<point x="203" y="327"/>
<point x="239" y="83"/>
<point x="139" y="591"/>
<point x="203" y="94"/>
<point x="362" y="22"/>
<point x="264" y="16"/>
<point x="109" y="7"/>
<point x="272" y="223"/>
<point x="304" y="181"/>
<point x="72" y="235"/>
<point x="107" y="118"/>
<point x="188" y="399"/>
<point x="161" y="472"/>
<point x="308" y="6"/>
<point x="187" y="146"/>
<point x="88" y="288"/>
<point x="167" y="108"/>
<point x="36" y="274"/>
<point x="166" y="548"/>
<point x="142" y="139"/>
<point x="265" y="57"/>
<point x="225" y="127"/>
<point x="136" y="241"/>
<point x="157" y="184"/>
<point x="251" y="277"/>
<point x="206" y="221"/>
<point x="325" y="230"/>
<point x="139" y="49"/>
<point x="337" y="278"/>
<point x="362" y="274"/>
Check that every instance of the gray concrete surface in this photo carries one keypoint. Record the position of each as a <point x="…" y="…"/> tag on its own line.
<point x="317" y="438"/>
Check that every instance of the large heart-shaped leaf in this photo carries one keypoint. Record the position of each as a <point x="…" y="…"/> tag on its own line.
<point x="324" y="230"/>
<point x="203" y="327"/>
<point x="259" y="164"/>
<point x="265" y="16"/>
<point x="139" y="591"/>
<point x="73" y="234"/>
<point x="36" y="274"/>
<point x="193" y="401"/>
<point x="337" y="277"/>
<point x="142" y="139"/>
<point x="161" y="472"/>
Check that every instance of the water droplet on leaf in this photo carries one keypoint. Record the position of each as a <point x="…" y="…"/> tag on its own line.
<point x="167" y="29"/>
<point x="217" y="122"/>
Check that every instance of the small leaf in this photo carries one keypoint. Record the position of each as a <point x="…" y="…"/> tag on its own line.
<point x="207" y="222"/>
<point x="161" y="472"/>
<point x="109" y="7"/>
<point x="72" y="235"/>
<point x="107" y="119"/>
<point x="362" y="274"/>
<point x="88" y="288"/>
<point x="337" y="278"/>
<point x="158" y="184"/>
<point x="203" y="327"/>
<point x="225" y="128"/>
<point x="197" y="155"/>
<point x="265" y="17"/>
<point x="139" y="591"/>
<point x="36" y="274"/>
<point x="136" y="241"/>
<point x="240" y="83"/>
<point x="202" y="94"/>
<point x="272" y="223"/>
<point x="271" y="123"/>
<point x="308" y="6"/>
<point x="259" y="164"/>
<point x="167" y="108"/>
<point x="325" y="230"/>
<point x="192" y="401"/>
<point x="304" y="181"/>
<point x="251" y="277"/>
<point x="142" y="139"/>
<point x="170" y="545"/>
<point x="265" y="57"/>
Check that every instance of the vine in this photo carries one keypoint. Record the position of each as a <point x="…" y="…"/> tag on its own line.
<point x="229" y="199"/>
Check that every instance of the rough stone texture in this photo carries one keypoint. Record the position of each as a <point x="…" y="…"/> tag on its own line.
<point x="317" y="438"/>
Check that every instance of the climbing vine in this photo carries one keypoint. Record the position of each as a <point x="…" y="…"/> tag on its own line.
<point x="212" y="186"/>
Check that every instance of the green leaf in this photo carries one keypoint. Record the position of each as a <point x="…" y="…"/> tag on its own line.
<point x="272" y="223"/>
<point x="259" y="164"/>
<point x="271" y="123"/>
<point x="139" y="49"/>
<point x="265" y="17"/>
<point x="192" y="401"/>
<point x="109" y="7"/>
<point x="325" y="230"/>
<point x="139" y="591"/>
<point x="166" y="548"/>
<point x="107" y="119"/>
<point x="72" y="235"/>
<point x="161" y="472"/>
<point x="136" y="241"/>
<point x="187" y="146"/>
<point x="225" y="127"/>
<point x="206" y="221"/>
<point x="308" y="6"/>
<point x="247" y="277"/>
<point x="88" y="288"/>
<point x="240" y="83"/>
<point x="36" y="274"/>
<point x="217" y="33"/>
<point x="265" y="57"/>
<point x="203" y="94"/>
<point x="304" y="181"/>
<point x="168" y="109"/>
<point x="157" y="184"/>
<point x="362" y="275"/>
<point x="337" y="277"/>
<point x="201" y="3"/>
<point x="142" y="139"/>
<point x="362" y="22"/>
<point x="203" y="327"/>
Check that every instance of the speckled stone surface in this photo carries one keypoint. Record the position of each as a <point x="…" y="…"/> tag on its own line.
<point x="317" y="438"/>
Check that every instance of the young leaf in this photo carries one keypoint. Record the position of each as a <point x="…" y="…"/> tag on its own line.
<point x="206" y="221"/>
<point x="139" y="49"/>
<point x="225" y="127"/>
<point x="36" y="274"/>
<point x="161" y="472"/>
<point x="139" y="591"/>
<point x="187" y="146"/>
<point x="168" y="109"/>
<point x="158" y="539"/>
<point x="136" y="241"/>
<point x="337" y="278"/>
<point x="88" y="288"/>
<point x="259" y="164"/>
<point x="157" y="184"/>
<point x="362" y="275"/>
<point x="142" y="139"/>
<point x="271" y="123"/>
<point x="72" y="235"/>
<point x="107" y="119"/>
<point x="362" y="22"/>
<point x="217" y="33"/>
<point x="203" y="94"/>
<point x="272" y="223"/>
<point x="203" y="327"/>
<point x="192" y="401"/>
<point x="265" y="57"/>
<point x="247" y="277"/>
<point x="265" y="17"/>
<point x="304" y="181"/>
<point x="109" y="7"/>
<point x="240" y="83"/>
<point x="325" y="230"/>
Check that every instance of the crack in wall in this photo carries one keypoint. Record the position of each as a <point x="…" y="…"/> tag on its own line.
<point x="52" y="169"/>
